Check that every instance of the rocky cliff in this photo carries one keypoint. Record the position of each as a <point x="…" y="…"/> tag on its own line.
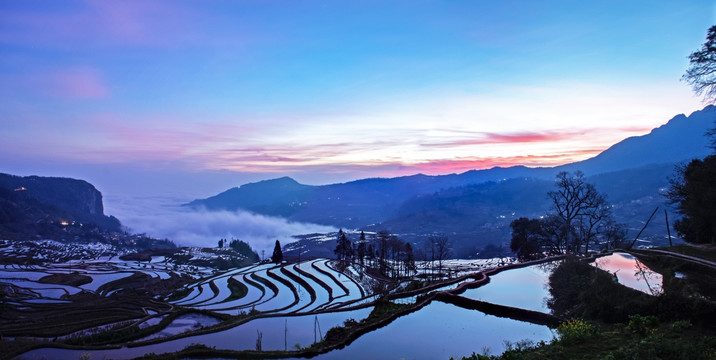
<point x="31" y="203"/>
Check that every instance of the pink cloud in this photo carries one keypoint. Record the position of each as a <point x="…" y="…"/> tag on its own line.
<point x="458" y="165"/>
<point x="78" y="83"/>
<point x="486" y="138"/>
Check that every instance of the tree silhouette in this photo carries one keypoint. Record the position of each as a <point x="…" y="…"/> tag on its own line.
<point x="243" y="248"/>
<point x="527" y="237"/>
<point x="277" y="256"/>
<point x="382" y="251"/>
<point x="579" y="217"/>
<point x="344" y="249"/>
<point x="693" y="188"/>
<point x="409" y="259"/>
<point x="693" y="191"/>
<point x="361" y="252"/>
<point x="580" y="208"/>
<point x="441" y="250"/>
<point x="701" y="74"/>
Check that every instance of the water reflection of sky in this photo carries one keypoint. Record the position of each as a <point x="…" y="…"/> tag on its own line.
<point x="524" y="288"/>
<point x="439" y="331"/>
<point x="631" y="272"/>
<point x="298" y="330"/>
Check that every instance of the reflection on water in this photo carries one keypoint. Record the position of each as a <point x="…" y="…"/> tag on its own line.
<point x="439" y="331"/>
<point x="524" y="288"/>
<point x="278" y="333"/>
<point x="185" y="323"/>
<point x="631" y="272"/>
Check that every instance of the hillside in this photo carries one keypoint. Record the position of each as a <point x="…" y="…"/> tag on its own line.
<point x="36" y="206"/>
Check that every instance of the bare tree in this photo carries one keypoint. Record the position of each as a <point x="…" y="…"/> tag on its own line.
<point x="592" y="223"/>
<point x="576" y="203"/>
<point x="409" y="259"/>
<point x="383" y="237"/>
<point x="430" y="250"/>
<point x="614" y="234"/>
<point x="701" y="74"/>
<point x="441" y="249"/>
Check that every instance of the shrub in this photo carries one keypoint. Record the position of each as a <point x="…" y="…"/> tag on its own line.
<point x="575" y="330"/>
<point x="641" y="324"/>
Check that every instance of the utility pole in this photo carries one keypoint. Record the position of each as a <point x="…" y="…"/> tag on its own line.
<point x="667" y="227"/>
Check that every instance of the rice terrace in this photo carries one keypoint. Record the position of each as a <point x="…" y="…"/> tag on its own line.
<point x="329" y="180"/>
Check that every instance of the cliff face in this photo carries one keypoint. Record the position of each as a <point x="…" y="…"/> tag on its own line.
<point x="36" y="199"/>
<point x="77" y="197"/>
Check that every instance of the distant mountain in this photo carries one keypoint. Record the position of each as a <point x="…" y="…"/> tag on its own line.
<point x="476" y="206"/>
<point x="351" y="204"/>
<point x="276" y="197"/>
<point x="35" y="206"/>
<point x="680" y="139"/>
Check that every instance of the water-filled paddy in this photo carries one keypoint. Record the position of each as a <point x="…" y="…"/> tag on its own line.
<point x="524" y="288"/>
<point x="439" y="331"/>
<point x="631" y="272"/>
<point x="185" y="323"/>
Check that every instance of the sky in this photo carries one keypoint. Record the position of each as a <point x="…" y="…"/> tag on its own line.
<point x="193" y="97"/>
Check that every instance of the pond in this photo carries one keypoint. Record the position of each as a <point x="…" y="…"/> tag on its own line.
<point x="631" y="272"/>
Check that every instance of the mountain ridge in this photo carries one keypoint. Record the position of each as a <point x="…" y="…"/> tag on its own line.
<point x="630" y="153"/>
<point x="642" y="163"/>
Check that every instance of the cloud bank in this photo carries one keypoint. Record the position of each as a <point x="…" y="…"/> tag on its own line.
<point x="164" y="218"/>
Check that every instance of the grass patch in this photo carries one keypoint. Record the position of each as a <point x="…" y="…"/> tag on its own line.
<point x="707" y="252"/>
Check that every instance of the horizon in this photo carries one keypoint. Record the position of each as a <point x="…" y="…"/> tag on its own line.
<point x="182" y="97"/>
<point x="222" y="176"/>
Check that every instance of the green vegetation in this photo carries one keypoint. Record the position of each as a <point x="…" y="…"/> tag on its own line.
<point x="575" y="331"/>
<point x="243" y="248"/>
<point x="639" y="339"/>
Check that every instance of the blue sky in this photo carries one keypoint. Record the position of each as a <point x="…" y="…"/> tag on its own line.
<point x="232" y="91"/>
